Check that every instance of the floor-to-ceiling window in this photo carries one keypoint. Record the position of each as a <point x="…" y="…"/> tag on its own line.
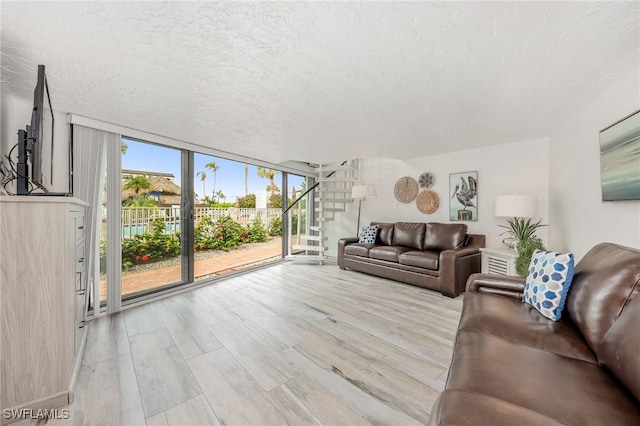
<point x="186" y="216"/>
<point x="237" y="215"/>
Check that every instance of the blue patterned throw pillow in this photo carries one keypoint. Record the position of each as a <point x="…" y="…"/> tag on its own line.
<point x="368" y="235"/>
<point x="548" y="282"/>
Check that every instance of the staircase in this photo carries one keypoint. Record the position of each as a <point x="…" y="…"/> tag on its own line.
<point x="331" y="196"/>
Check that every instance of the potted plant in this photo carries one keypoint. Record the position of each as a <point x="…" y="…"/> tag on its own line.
<point x="525" y="252"/>
<point x="523" y="231"/>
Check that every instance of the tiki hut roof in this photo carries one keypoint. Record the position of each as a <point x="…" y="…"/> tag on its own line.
<point x="166" y="200"/>
<point x="159" y="185"/>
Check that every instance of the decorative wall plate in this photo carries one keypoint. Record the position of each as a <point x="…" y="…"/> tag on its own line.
<point x="406" y="189"/>
<point x="427" y="202"/>
<point x="426" y="180"/>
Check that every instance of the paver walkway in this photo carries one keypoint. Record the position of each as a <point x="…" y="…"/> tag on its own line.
<point x="232" y="261"/>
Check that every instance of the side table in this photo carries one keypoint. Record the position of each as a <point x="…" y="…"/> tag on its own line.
<point x="500" y="261"/>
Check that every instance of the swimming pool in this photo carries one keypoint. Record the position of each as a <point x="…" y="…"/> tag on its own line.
<point x="131" y="230"/>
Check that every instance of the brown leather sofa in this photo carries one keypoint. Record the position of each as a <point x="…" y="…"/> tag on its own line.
<point x="437" y="256"/>
<point x="513" y="366"/>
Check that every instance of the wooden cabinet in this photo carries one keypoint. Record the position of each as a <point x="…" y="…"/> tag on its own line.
<point x="499" y="261"/>
<point x="43" y="299"/>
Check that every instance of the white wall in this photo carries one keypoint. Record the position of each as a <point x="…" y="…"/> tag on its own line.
<point x="563" y="170"/>
<point x="579" y="218"/>
<point x="515" y="168"/>
<point x="16" y="114"/>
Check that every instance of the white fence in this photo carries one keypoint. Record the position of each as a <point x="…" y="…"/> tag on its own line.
<point x="135" y="220"/>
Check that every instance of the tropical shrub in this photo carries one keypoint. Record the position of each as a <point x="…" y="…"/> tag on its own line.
<point x="150" y="246"/>
<point x="222" y="234"/>
<point x="247" y="202"/>
<point x="257" y="232"/>
<point x="225" y="205"/>
<point x="140" y="201"/>
<point x="275" y="226"/>
<point x="275" y="201"/>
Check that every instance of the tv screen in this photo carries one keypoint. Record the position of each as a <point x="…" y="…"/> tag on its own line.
<point x="41" y="134"/>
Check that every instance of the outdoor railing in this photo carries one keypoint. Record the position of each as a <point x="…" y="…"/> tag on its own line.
<point x="135" y="220"/>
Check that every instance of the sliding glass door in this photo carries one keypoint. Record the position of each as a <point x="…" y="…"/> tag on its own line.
<point x="151" y="220"/>
<point x="237" y="216"/>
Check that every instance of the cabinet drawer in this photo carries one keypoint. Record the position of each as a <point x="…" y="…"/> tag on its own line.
<point x="80" y="284"/>
<point x="80" y="258"/>
<point x="79" y="320"/>
<point x="79" y="229"/>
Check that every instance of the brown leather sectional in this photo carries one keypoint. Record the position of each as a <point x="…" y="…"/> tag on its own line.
<point x="438" y="256"/>
<point x="513" y="366"/>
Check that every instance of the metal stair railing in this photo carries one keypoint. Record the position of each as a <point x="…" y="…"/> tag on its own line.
<point x="316" y="242"/>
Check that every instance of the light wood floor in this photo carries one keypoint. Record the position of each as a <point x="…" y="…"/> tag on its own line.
<point x="290" y="344"/>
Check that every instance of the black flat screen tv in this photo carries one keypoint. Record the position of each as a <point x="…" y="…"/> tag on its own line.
<point x="35" y="150"/>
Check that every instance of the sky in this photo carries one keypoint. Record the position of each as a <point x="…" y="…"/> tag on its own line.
<point x="229" y="177"/>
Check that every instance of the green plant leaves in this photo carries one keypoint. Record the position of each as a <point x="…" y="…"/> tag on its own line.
<point x="521" y="228"/>
<point x="525" y="252"/>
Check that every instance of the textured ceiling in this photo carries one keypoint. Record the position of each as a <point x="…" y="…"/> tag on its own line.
<point x="323" y="82"/>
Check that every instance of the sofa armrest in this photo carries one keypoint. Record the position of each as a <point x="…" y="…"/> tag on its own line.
<point x="455" y="266"/>
<point x="342" y="243"/>
<point x="503" y="285"/>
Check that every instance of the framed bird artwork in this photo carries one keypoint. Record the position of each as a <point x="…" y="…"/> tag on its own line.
<point x="463" y="199"/>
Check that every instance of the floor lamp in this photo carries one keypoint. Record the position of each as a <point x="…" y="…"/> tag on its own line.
<point x="360" y="192"/>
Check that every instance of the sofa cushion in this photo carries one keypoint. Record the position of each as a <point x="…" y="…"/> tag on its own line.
<point x="421" y="259"/>
<point x="521" y="323"/>
<point x="368" y="235"/>
<point x="548" y="281"/>
<point x="389" y="253"/>
<point x="604" y="281"/>
<point x="408" y="234"/>
<point x="385" y="233"/>
<point x="567" y="390"/>
<point x="445" y="236"/>
<point x="357" y="249"/>
<point x="621" y="345"/>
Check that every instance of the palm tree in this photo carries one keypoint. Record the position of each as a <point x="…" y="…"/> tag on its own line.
<point x="274" y="189"/>
<point x="203" y="177"/>
<point x="140" y="201"/>
<point x="220" y="196"/>
<point x="214" y="168"/>
<point x="265" y="173"/>
<point x="136" y="183"/>
<point x="246" y="179"/>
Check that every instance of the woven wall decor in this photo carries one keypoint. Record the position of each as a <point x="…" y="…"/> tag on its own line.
<point x="406" y="189"/>
<point x="426" y="180"/>
<point x="427" y="202"/>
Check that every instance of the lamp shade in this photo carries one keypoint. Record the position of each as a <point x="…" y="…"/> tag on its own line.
<point x="362" y="191"/>
<point x="371" y="190"/>
<point x="515" y="206"/>
<point x="359" y="191"/>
